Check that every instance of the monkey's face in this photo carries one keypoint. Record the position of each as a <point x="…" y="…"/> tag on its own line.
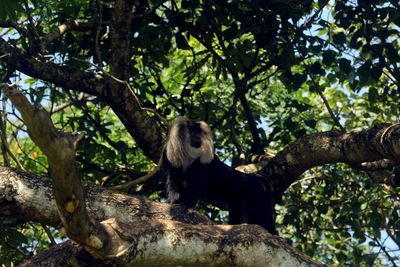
<point x="195" y="133"/>
<point x="189" y="140"/>
<point x="201" y="144"/>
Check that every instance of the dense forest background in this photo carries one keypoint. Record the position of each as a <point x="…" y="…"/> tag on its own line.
<point x="263" y="74"/>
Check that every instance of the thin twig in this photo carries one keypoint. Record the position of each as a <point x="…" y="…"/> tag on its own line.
<point x="126" y="83"/>
<point x="161" y="118"/>
<point x="142" y="179"/>
<point x="97" y="16"/>
<point x="49" y="234"/>
<point x="5" y="55"/>
<point x="3" y="129"/>
<point x="328" y="107"/>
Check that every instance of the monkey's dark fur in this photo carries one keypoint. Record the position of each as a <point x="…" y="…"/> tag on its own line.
<point x="193" y="172"/>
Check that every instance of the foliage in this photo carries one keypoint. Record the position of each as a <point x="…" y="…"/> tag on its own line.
<point x="288" y="68"/>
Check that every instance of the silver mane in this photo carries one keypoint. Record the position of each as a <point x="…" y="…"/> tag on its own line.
<point x="178" y="149"/>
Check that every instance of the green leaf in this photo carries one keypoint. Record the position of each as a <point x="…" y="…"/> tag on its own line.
<point x="376" y="219"/>
<point x="311" y="123"/>
<point x="316" y="68"/>
<point x="181" y="41"/>
<point x="300" y="107"/>
<point x="328" y="57"/>
<point x="345" y="65"/>
<point x="372" y="94"/>
<point x="300" y="133"/>
<point x="298" y="80"/>
<point x="10" y="9"/>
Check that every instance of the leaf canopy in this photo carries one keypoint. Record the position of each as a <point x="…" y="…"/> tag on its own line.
<point x="261" y="73"/>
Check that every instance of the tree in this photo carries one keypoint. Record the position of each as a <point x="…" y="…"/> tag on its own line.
<point x="303" y="92"/>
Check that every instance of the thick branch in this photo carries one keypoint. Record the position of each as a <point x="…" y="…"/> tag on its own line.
<point x="252" y="124"/>
<point x="60" y="147"/>
<point x="147" y="241"/>
<point x="15" y="25"/>
<point x="216" y="245"/>
<point x="28" y="197"/>
<point x="73" y="25"/>
<point x="66" y="77"/>
<point x="128" y="107"/>
<point x="168" y="243"/>
<point x="120" y="31"/>
<point x="139" y="124"/>
<point x="379" y="142"/>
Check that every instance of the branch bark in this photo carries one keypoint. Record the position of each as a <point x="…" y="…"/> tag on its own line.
<point x="353" y="148"/>
<point x="28" y="197"/>
<point x="120" y="31"/>
<point x="149" y="236"/>
<point x="129" y="107"/>
<point x="168" y="243"/>
<point x="63" y="76"/>
<point x="60" y="148"/>
<point x="144" y="130"/>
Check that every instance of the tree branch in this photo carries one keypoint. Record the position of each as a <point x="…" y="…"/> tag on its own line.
<point x="28" y="197"/>
<point x="328" y="107"/>
<point x="60" y="148"/>
<point x="14" y="25"/>
<point x="151" y="240"/>
<point x="354" y="148"/>
<point x="169" y="243"/>
<point x="119" y="31"/>
<point x="118" y="95"/>
<point x="256" y="146"/>
<point x="73" y="25"/>
<point x="66" y="77"/>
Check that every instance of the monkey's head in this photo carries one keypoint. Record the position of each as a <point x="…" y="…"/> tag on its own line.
<point x="187" y="141"/>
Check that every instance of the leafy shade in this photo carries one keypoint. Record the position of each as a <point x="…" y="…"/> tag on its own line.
<point x="266" y="75"/>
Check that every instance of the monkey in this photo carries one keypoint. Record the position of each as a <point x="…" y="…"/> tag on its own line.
<point x="192" y="172"/>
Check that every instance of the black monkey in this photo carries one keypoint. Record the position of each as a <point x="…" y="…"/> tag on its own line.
<point x="193" y="172"/>
<point x="188" y="148"/>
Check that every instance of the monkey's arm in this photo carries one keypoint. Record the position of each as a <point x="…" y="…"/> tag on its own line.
<point x="172" y="186"/>
<point x="186" y="187"/>
<point x="193" y="184"/>
<point x="173" y="178"/>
